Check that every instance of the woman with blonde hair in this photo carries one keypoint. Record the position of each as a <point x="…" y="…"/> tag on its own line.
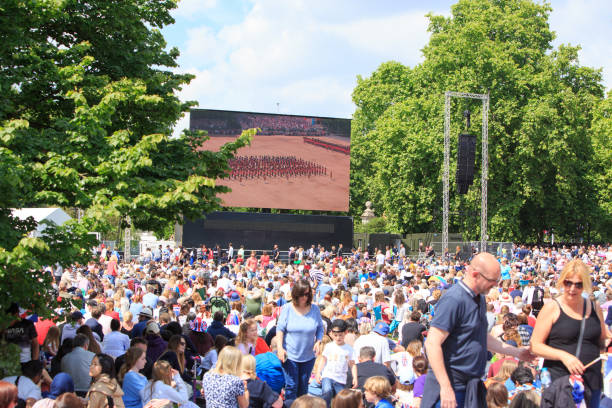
<point x="246" y="339"/>
<point x="559" y="325"/>
<point x="127" y="324"/>
<point x="260" y="393"/>
<point x="222" y="385"/>
<point x="504" y="373"/>
<point x="166" y="383"/>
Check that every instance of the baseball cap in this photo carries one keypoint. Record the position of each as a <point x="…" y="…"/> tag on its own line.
<point x="339" y="325"/>
<point x="76" y="315"/>
<point x="152" y="327"/>
<point x="381" y="328"/>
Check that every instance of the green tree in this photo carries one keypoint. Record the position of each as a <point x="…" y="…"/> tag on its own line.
<point x="602" y="158"/>
<point x="89" y="102"/>
<point x="542" y="102"/>
<point x="376" y="224"/>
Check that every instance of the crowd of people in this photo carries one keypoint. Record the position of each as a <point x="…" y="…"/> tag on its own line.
<point x="336" y="147"/>
<point x="255" y="167"/>
<point x="234" y="122"/>
<point x="324" y="328"/>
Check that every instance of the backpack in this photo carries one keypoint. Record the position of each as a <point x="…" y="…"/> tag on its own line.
<point x="219" y="304"/>
<point x="21" y="403"/>
<point x="269" y="369"/>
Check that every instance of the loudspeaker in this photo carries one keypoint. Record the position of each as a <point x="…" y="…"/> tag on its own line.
<point x="466" y="155"/>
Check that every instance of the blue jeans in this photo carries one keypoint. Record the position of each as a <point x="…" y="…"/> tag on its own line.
<point x="296" y="377"/>
<point x="329" y="389"/>
<point x="459" y="397"/>
<point x="595" y="398"/>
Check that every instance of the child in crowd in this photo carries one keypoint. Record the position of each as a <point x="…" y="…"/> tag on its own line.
<point x="336" y="360"/>
<point x="378" y="392"/>
<point x="419" y="365"/>
<point x="260" y="393"/>
<point x="348" y="398"/>
<point x="497" y="395"/>
<point x="314" y="387"/>
<point x="308" y="401"/>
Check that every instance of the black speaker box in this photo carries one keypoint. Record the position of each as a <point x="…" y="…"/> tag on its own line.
<point x="466" y="155"/>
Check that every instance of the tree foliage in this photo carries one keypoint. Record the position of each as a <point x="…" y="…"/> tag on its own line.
<point x="375" y="225"/>
<point x="89" y="102"/>
<point x="542" y="172"/>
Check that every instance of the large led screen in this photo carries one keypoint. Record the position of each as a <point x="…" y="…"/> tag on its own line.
<point x="294" y="162"/>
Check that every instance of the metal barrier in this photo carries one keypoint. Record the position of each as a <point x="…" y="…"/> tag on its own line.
<point x="467" y="248"/>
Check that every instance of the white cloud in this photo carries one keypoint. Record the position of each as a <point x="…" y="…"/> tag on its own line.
<point x="305" y="54"/>
<point x="191" y="8"/>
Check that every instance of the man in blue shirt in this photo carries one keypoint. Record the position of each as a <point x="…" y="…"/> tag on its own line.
<point x="457" y="341"/>
<point x="323" y="289"/>
<point x="150" y="299"/>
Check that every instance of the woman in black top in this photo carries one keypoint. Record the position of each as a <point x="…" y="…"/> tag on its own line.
<point x="557" y="330"/>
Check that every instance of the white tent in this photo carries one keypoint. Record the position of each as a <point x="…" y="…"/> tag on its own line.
<point x="56" y="215"/>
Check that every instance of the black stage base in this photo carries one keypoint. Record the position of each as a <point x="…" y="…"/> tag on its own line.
<point x="261" y="231"/>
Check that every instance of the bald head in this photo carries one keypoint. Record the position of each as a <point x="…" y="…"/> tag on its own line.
<point x="483" y="273"/>
<point x="485" y="261"/>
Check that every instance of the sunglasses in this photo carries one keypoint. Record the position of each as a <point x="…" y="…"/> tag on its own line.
<point x="568" y="284"/>
<point x="338" y="331"/>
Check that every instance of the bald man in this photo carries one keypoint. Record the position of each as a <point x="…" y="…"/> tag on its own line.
<point x="457" y="341"/>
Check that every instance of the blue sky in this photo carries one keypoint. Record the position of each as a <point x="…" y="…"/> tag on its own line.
<point x="303" y="56"/>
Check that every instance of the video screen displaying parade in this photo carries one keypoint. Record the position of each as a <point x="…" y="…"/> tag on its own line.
<point x="294" y="162"/>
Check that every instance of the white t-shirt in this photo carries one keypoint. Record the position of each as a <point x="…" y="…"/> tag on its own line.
<point x="380" y="259"/>
<point x="401" y="312"/>
<point x="401" y="363"/>
<point x="285" y="289"/>
<point x="380" y="344"/>
<point x="337" y="365"/>
<point x="224" y="283"/>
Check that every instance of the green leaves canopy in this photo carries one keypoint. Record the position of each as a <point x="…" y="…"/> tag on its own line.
<point x="89" y="102"/>
<point x="543" y="171"/>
